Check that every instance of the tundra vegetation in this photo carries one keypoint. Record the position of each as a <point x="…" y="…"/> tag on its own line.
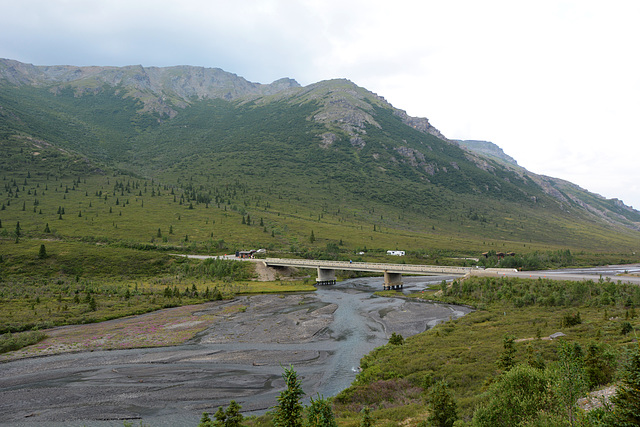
<point x="498" y="366"/>
<point x="97" y="192"/>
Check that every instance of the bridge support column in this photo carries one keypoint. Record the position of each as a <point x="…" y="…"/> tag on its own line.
<point x="326" y="276"/>
<point x="392" y="281"/>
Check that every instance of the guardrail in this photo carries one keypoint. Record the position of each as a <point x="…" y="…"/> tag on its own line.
<point x="368" y="266"/>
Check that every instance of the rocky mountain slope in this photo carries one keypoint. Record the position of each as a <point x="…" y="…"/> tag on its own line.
<point x="564" y="191"/>
<point x="328" y="147"/>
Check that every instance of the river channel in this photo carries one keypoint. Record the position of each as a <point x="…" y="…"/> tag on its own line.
<point x="323" y="335"/>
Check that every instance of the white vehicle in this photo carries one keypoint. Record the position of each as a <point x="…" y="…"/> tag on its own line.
<point x="395" y="253"/>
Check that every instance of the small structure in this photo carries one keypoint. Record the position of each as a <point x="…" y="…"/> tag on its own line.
<point x="245" y="254"/>
<point x="395" y="253"/>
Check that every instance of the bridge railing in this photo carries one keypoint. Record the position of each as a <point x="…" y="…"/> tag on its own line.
<point x="368" y="266"/>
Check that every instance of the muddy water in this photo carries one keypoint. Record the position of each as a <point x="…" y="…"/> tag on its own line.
<point x="323" y="335"/>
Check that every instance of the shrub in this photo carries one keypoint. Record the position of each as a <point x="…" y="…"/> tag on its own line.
<point x="571" y="319"/>
<point x="396" y="339"/>
<point x="12" y="342"/>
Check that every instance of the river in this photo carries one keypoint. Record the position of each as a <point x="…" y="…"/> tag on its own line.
<point x="323" y="335"/>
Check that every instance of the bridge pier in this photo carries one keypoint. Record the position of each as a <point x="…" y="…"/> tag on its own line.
<point x="392" y="281"/>
<point x="326" y="276"/>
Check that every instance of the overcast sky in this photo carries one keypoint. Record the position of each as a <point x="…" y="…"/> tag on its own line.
<point x="556" y="84"/>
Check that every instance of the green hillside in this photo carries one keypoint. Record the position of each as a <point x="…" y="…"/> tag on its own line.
<point x="331" y="158"/>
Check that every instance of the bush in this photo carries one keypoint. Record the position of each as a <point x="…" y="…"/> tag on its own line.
<point x="518" y="396"/>
<point x="396" y="339"/>
<point x="13" y="342"/>
<point x="571" y="319"/>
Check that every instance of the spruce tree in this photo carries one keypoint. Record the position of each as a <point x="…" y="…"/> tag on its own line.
<point x="320" y="414"/>
<point x="233" y="416"/>
<point x="626" y="401"/>
<point x="42" y="254"/>
<point x="220" y="416"/>
<point x="205" y="421"/>
<point x="507" y="359"/>
<point x="288" y="412"/>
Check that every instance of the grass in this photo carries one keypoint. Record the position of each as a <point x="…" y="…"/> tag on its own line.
<point x="40" y="293"/>
<point x="464" y="351"/>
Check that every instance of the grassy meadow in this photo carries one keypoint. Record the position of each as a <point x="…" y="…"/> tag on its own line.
<point x="464" y="352"/>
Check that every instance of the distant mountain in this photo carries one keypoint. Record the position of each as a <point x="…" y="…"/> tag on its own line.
<point x="328" y="148"/>
<point x="488" y="149"/>
<point x="160" y="89"/>
<point x="610" y="210"/>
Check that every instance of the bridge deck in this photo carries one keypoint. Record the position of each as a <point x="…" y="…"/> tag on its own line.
<point x="428" y="270"/>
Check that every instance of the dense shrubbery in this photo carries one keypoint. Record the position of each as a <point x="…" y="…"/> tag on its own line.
<point x="542" y="292"/>
<point x="513" y="326"/>
<point x="12" y="342"/>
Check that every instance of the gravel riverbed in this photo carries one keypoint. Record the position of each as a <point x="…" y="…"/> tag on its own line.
<point x="233" y="350"/>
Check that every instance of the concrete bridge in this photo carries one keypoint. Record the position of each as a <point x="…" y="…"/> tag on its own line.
<point x="392" y="272"/>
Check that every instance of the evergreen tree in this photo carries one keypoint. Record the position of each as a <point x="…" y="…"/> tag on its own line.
<point x="507" y="359"/>
<point x="320" y="414"/>
<point x="396" y="339"/>
<point x="42" y="254"/>
<point x="47" y="229"/>
<point x="288" y="412"/>
<point x="220" y="416"/>
<point x="626" y="401"/>
<point x="205" y="421"/>
<point x="442" y="407"/>
<point x="233" y="416"/>
<point x="599" y="365"/>
<point x="92" y="304"/>
<point x="312" y="238"/>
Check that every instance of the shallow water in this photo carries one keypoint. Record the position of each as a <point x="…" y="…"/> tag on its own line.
<point x="323" y="335"/>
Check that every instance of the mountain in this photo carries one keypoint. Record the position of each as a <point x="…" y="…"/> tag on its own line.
<point x="609" y="210"/>
<point x="331" y="157"/>
<point x="490" y="150"/>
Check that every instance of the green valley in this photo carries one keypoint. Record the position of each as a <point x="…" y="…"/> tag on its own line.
<point x="107" y="173"/>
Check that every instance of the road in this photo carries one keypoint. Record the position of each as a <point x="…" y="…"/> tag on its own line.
<point x="614" y="273"/>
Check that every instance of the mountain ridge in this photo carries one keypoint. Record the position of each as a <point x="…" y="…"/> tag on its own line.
<point x="556" y="187"/>
<point x="331" y="143"/>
